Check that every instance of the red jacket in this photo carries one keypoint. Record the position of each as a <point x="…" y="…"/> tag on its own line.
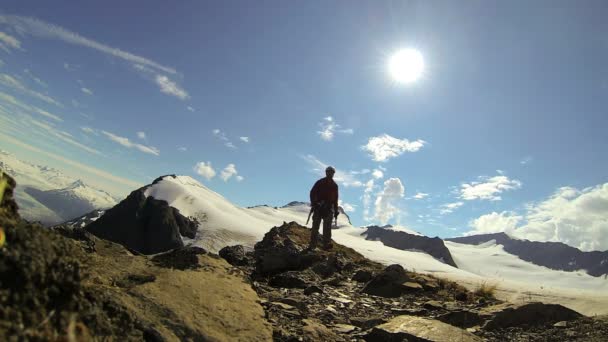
<point x="325" y="190"/>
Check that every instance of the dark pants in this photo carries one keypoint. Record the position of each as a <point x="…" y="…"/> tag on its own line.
<point x="327" y="217"/>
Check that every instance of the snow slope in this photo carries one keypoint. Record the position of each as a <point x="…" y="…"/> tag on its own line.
<point x="49" y="196"/>
<point x="226" y="224"/>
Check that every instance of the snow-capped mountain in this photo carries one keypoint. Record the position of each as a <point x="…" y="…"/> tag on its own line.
<point x="49" y="196"/>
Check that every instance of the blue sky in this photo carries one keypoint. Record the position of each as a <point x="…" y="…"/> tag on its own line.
<point x="506" y="130"/>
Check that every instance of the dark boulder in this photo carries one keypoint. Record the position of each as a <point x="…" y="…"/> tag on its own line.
<point x="144" y="224"/>
<point x="389" y="283"/>
<point x="235" y="255"/>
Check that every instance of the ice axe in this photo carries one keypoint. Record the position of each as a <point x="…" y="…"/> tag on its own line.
<point x="312" y="209"/>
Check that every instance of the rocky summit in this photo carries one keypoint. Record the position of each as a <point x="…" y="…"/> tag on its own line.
<point x="67" y="284"/>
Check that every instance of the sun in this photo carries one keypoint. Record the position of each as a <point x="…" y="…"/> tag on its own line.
<point x="406" y="66"/>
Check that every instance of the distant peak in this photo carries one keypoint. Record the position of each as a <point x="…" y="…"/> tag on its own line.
<point x="77" y="184"/>
<point x="294" y="203"/>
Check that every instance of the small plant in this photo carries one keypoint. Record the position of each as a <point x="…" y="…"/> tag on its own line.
<point x="486" y="290"/>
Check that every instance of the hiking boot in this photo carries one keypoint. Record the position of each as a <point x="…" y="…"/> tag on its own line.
<point x="328" y="246"/>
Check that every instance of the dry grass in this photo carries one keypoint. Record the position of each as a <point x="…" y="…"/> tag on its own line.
<point x="486" y="290"/>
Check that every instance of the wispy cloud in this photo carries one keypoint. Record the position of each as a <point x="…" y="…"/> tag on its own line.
<point x="88" y="130"/>
<point x="141" y="135"/>
<point x="488" y="188"/>
<point x="244" y="139"/>
<point x="129" y="144"/>
<point x="526" y="160"/>
<point x="228" y="172"/>
<point x="349" y="208"/>
<point x="39" y="28"/>
<point x="169" y="87"/>
<point x="35" y="79"/>
<point x="11" y="82"/>
<point x="50" y="130"/>
<point x="12" y="101"/>
<point x="222" y="136"/>
<point x="94" y="171"/>
<point x="8" y="42"/>
<point x="190" y="108"/>
<point x="377" y="174"/>
<point x="384" y="147"/>
<point x="450" y="207"/>
<point x="86" y="91"/>
<point x="343" y="177"/>
<point x="421" y="195"/>
<point x="205" y="170"/>
<point x="329" y="127"/>
<point x="182" y="149"/>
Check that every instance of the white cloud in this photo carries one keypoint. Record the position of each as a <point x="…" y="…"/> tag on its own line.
<point x="526" y="160"/>
<point x="346" y="179"/>
<point x="575" y="217"/>
<point x="329" y="127"/>
<point x="205" y="170"/>
<point x="420" y="195"/>
<point x="244" y="139"/>
<point x="377" y="174"/>
<point x="228" y="172"/>
<point x="190" y="108"/>
<point x="35" y="79"/>
<point x="8" y="42"/>
<point x="367" y="198"/>
<point x="488" y="188"/>
<point x="182" y="149"/>
<point x="88" y="130"/>
<point x="494" y="223"/>
<point x="230" y="145"/>
<point x="86" y="91"/>
<point x="11" y="82"/>
<point x="349" y="208"/>
<point x="239" y="178"/>
<point x="384" y="147"/>
<point x="39" y="28"/>
<point x="450" y="207"/>
<point x="386" y="206"/>
<point x="141" y="135"/>
<point x="171" y="88"/>
<point x="129" y="144"/>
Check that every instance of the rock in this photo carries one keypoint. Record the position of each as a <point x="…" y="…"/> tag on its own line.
<point x="180" y="258"/>
<point x="528" y="314"/>
<point x="277" y="252"/>
<point x="411" y="312"/>
<point x="144" y="224"/>
<point x="344" y="328"/>
<point x="314" y="331"/>
<point x="329" y="266"/>
<point x="411" y="328"/>
<point x="362" y="276"/>
<point x="235" y="255"/>
<point x="561" y="324"/>
<point x="433" y="305"/>
<point x="293" y="302"/>
<point x="367" y="322"/>
<point x="288" y="280"/>
<point x="389" y="283"/>
<point x="341" y="300"/>
<point x="461" y="318"/>
<point x="312" y="289"/>
<point x="411" y="286"/>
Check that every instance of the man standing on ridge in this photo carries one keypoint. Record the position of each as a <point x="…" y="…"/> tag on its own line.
<point x="324" y="203"/>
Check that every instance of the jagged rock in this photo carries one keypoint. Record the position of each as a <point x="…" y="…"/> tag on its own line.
<point x="433" y="305"/>
<point x="144" y="224"/>
<point x="8" y="207"/>
<point x="461" y="318"/>
<point x="293" y="302"/>
<point x="344" y="328"/>
<point x="528" y="314"/>
<point x="402" y="240"/>
<point x="411" y="286"/>
<point x="235" y="255"/>
<point x="277" y="252"/>
<point x="288" y="280"/>
<point x="412" y="328"/>
<point x="389" y="283"/>
<point x="329" y="266"/>
<point x="366" y="323"/>
<point x="561" y="324"/>
<point x="312" y="289"/>
<point x="180" y="258"/>
<point x="362" y="276"/>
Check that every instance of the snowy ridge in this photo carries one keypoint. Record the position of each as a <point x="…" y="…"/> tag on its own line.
<point x="227" y="224"/>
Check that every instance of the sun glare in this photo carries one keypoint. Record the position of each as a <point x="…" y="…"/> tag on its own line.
<point x="406" y="66"/>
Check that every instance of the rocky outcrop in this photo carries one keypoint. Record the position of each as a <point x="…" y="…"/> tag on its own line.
<point x="404" y="241"/>
<point x="144" y="224"/>
<point x="554" y="255"/>
<point x="8" y="206"/>
<point x="515" y="315"/>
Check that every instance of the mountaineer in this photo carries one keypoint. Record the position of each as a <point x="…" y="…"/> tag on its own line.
<point x="324" y="206"/>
